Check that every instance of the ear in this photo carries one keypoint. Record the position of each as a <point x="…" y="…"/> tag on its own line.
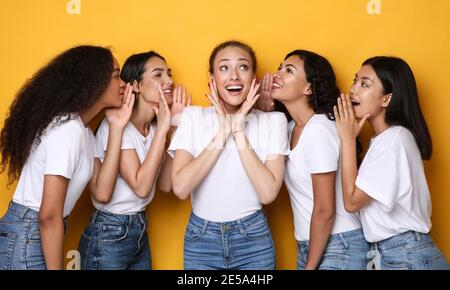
<point x="386" y="100"/>
<point x="308" y="90"/>
<point x="135" y="86"/>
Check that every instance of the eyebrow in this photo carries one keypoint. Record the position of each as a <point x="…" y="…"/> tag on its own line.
<point x="364" y="78"/>
<point x="158" y="69"/>
<point x="240" y="59"/>
<point x="291" y="65"/>
<point x="116" y="70"/>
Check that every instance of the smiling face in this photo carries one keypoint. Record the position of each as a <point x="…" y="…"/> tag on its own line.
<point x="113" y="95"/>
<point x="290" y="82"/>
<point x="156" y="74"/>
<point x="367" y="94"/>
<point x="233" y="73"/>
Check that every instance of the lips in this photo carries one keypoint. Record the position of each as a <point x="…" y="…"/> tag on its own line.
<point x="276" y="86"/>
<point x="234" y="89"/>
<point x="355" y="102"/>
<point x="167" y="90"/>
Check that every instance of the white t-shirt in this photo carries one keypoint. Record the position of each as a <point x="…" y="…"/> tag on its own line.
<point x="66" y="150"/>
<point x="317" y="151"/>
<point x="124" y="200"/>
<point x="226" y="193"/>
<point x="392" y="174"/>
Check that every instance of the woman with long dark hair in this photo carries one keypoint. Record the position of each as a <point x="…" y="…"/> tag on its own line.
<point x="389" y="190"/>
<point x="116" y="238"/>
<point x="46" y="143"/>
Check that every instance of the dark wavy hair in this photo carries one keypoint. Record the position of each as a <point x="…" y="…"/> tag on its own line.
<point x="232" y="43"/>
<point x="404" y="109"/>
<point x="325" y="92"/>
<point x="70" y="83"/>
<point x="319" y="73"/>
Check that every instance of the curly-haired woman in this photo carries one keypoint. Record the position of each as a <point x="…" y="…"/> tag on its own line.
<point x="46" y="144"/>
<point x="327" y="236"/>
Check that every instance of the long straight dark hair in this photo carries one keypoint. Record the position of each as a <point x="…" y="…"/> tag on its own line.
<point x="404" y="109"/>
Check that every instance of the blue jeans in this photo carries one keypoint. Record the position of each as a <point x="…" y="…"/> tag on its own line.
<point x="115" y="242"/>
<point x="344" y="251"/>
<point x="408" y="251"/>
<point x="244" y="244"/>
<point x="20" y="239"/>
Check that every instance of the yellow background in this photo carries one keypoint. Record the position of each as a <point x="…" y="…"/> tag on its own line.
<point x="185" y="32"/>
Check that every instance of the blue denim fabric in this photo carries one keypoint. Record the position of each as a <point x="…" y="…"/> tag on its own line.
<point x="20" y="239"/>
<point x="408" y="251"/>
<point x="244" y="244"/>
<point x="344" y="251"/>
<point x="115" y="242"/>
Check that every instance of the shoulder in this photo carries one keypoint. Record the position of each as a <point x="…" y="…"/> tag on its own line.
<point x="320" y="125"/>
<point x="402" y="139"/>
<point x="63" y="127"/>
<point x="272" y="117"/>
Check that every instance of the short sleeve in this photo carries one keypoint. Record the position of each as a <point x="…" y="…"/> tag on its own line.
<point x="96" y="146"/>
<point x="278" y="137"/>
<point x="103" y="135"/>
<point x="63" y="148"/>
<point x="383" y="177"/>
<point x="321" y="149"/>
<point x="184" y="135"/>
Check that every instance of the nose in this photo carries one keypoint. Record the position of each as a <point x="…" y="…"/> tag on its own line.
<point x="168" y="81"/>
<point x="122" y="83"/>
<point x="234" y="74"/>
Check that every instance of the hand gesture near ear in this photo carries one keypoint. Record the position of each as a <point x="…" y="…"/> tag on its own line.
<point x="238" y="122"/>
<point x="265" y="102"/>
<point x="346" y="123"/>
<point x="180" y="101"/>
<point x="162" y="114"/>
<point x="120" y="116"/>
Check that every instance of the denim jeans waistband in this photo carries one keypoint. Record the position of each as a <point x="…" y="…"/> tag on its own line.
<point x="22" y="212"/>
<point x="19" y="212"/>
<point x="230" y="226"/>
<point x="401" y="239"/>
<point x="344" y="236"/>
<point x="104" y="216"/>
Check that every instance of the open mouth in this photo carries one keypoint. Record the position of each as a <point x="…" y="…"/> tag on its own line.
<point x="355" y="103"/>
<point x="276" y="86"/>
<point x="234" y="89"/>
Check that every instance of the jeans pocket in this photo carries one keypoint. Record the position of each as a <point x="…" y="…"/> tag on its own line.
<point x="258" y="231"/>
<point x="7" y="246"/>
<point x="112" y="232"/>
<point x="84" y="249"/>
<point x="427" y="256"/>
<point x="192" y="232"/>
<point x="394" y="259"/>
<point x="334" y="257"/>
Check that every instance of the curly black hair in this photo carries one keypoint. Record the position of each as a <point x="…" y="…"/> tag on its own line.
<point x="70" y="83"/>
<point x="319" y="73"/>
<point x="325" y="92"/>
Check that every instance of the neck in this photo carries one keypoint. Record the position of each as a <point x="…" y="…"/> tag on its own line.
<point x="299" y="111"/>
<point x="230" y="109"/>
<point x="89" y="114"/>
<point x="378" y="124"/>
<point x="143" y="116"/>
